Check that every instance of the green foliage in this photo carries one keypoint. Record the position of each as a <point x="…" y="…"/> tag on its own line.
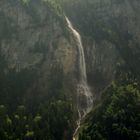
<point x="55" y="7"/>
<point x="25" y="1"/>
<point x="118" y="117"/>
<point x="22" y="118"/>
<point x="37" y="118"/>
<point x="50" y="121"/>
<point x="29" y="134"/>
<point x="8" y="120"/>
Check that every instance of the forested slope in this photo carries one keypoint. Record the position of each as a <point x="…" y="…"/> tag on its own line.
<point x="37" y="63"/>
<point x="106" y="24"/>
<point x="39" y="69"/>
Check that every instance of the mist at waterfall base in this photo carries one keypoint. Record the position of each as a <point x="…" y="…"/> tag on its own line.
<point x="84" y="95"/>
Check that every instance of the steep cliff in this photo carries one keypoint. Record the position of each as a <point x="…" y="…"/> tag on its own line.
<point x="41" y="66"/>
<point x="38" y="61"/>
<point x="34" y="37"/>
<point x="110" y="31"/>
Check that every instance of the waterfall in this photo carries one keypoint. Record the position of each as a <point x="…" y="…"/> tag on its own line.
<point x="84" y="95"/>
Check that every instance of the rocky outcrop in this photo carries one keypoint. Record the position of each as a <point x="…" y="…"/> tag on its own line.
<point x="28" y="42"/>
<point x="102" y="59"/>
<point x="34" y="40"/>
<point x="110" y="32"/>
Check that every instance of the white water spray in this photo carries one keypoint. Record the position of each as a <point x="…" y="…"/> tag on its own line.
<point x="84" y="95"/>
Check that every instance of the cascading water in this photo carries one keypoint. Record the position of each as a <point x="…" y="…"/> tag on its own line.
<point x="84" y="95"/>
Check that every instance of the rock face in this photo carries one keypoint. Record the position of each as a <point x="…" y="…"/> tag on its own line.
<point x="110" y="31"/>
<point x="101" y="64"/>
<point x="34" y="39"/>
<point x="38" y="62"/>
<point x="37" y="47"/>
<point x="33" y="34"/>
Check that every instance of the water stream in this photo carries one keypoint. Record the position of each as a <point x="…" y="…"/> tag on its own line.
<point x="84" y="95"/>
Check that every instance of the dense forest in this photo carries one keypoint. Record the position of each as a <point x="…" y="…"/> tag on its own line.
<point x="39" y="69"/>
<point x="117" y="115"/>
